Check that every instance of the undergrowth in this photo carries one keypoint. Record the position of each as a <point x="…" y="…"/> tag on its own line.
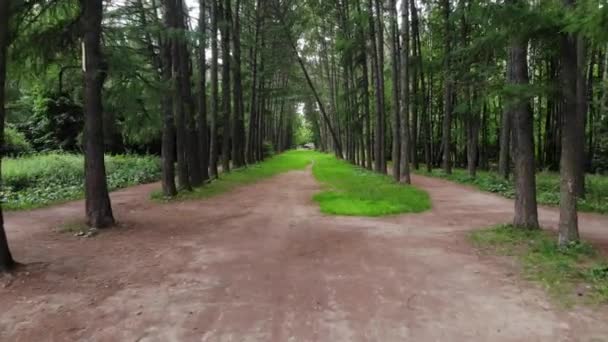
<point x="547" y="185"/>
<point x="576" y="273"/>
<point x="41" y="180"/>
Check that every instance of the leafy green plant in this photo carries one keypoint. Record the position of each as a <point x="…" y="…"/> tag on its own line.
<point x="15" y="143"/>
<point x="547" y="187"/>
<point x="44" y="179"/>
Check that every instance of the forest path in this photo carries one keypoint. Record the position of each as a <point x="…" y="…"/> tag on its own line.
<point x="261" y="263"/>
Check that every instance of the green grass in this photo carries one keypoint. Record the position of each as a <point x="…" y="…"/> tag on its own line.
<point x="292" y="160"/>
<point x="350" y="190"/>
<point x="575" y="274"/>
<point x="547" y="184"/>
<point x="41" y="180"/>
<point x="356" y="191"/>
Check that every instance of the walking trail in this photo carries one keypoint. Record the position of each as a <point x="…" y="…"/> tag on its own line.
<point x="261" y="263"/>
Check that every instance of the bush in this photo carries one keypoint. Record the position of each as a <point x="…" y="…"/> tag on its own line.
<point x="267" y="149"/>
<point x="15" y="143"/>
<point x="40" y="180"/>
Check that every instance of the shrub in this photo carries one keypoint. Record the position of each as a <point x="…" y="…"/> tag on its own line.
<point x="41" y="180"/>
<point x="15" y="143"/>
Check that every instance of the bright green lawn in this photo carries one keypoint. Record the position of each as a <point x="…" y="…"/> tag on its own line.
<point x="547" y="184"/>
<point x="355" y="191"/>
<point x="349" y="190"/>
<point x="572" y="274"/>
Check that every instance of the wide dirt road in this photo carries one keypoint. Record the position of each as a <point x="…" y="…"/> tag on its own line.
<point x="262" y="264"/>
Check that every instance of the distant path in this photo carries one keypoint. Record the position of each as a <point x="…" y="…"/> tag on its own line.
<point x="262" y="264"/>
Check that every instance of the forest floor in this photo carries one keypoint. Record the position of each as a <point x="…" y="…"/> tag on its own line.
<point x="261" y="263"/>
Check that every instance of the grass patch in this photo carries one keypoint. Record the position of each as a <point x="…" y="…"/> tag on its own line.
<point x="355" y="191"/>
<point x="350" y="190"/>
<point x="41" y="180"/>
<point x="291" y="160"/>
<point x="577" y="273"/>
<point x="547" y="185"/>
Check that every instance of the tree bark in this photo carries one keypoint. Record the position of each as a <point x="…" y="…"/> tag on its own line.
<point x="168" y="134"/>
<point x="97" y="200"/>
<point x="568" y="218"/>
<point x="238" y="127"/>
<point x="526" y="212"/>
<point x="581" y="114"/>
<point x="226" y="98"/>
<point x="395" y="60"/>
<point x="6" y="259"/>
<point x="404" y="176"/>
<point x="446" y="140"/>
<point x="213" y="141"/>
<point x="203" y="129"/>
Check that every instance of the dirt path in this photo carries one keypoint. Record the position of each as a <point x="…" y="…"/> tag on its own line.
<point x="262" y="264"/>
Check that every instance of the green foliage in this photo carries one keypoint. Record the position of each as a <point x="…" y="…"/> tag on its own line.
<point x="292" y="160"/>
<point x="575" y="272"/>
<point x="358" y="192"/>
<point x="547" y="187"/>
<point x="54" y="122"/>
<point x="15" y="143"/>
<point x="45" y="179"/>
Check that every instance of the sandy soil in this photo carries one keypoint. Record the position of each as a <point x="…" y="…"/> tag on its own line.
<point x="262" y="264"/>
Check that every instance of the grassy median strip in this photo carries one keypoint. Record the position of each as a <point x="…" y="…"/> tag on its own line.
<point x="354" y="191"/>
<point x="574" y="274"/>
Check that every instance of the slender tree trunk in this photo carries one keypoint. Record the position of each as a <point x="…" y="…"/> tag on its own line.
<point x="6" y="259"/>
<point x="446" y="141"/>
<point x="251" y="142"/>
<point x="203" y="129"/>
<point x="396" y="156"/>
<point x="526" y="213"/>
<point x="97" y="199"/>
<point x="377" y="66"/>
<point x="168" y="135"/>
<point x="226" y="98"/>
<point x="213" y="141"/>
<point x="405" y="95"/>
<point x="581" y="114"/>
<point x="568" y="218"/>
<point x="191" y="152"/>
<point x="238" y="130"/>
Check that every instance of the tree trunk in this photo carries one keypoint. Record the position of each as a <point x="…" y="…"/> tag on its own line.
<point x="168" y="135"/>
<point x="203" y="129"/>
<point x="526" y="213"/>
<point x="568" y="218"/>
<point x="404" y="176"/>
<point x="396" y="156"/>
<point x="6" y="259"/>
<point x="97" y="199"/>
<point x="251" y="141"/>
<point x="446" y="140"/>
<point x="213" y="141"/>
<point x="238" y="127"/>
<point x="226" y="98"/>
<point x="581" y="114"/>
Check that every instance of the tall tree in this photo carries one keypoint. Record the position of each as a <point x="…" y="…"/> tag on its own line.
<point x="573" y="134"/>
<point x="395" y="60"/>
<point x="203" y="129"/>
<point x="238" y="126"/>
<point x="446" y="140"/>
<point x="405" y="94"/>
<point x="168" y="129"/>
<point x="526" y="213"/>
<point x="6" y="258"/>
<point x="213" y="141"/>
<point x="226" y="89"/>
<point x="97" y="200"/>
